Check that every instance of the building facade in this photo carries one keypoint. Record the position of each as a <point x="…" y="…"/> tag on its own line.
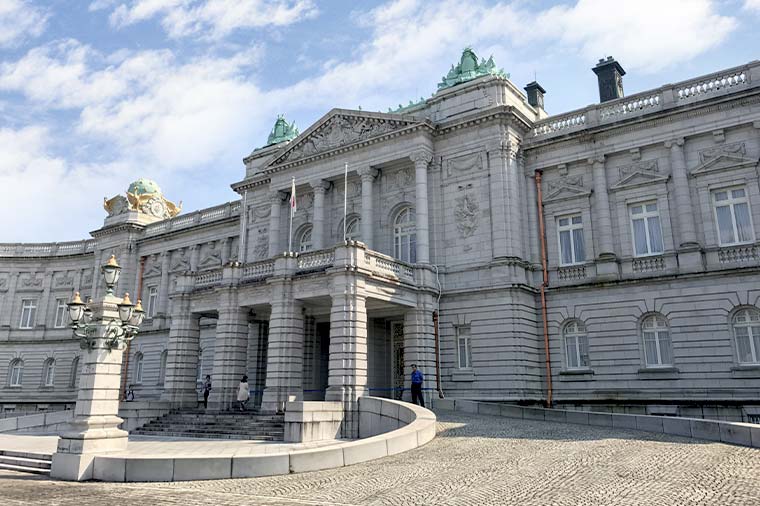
<point x="645" y="210"/>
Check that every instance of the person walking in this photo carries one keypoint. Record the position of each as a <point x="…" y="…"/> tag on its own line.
<point x="417" y="380"/>
<point x="243" y="393"/>
<point x="206" y="391"/>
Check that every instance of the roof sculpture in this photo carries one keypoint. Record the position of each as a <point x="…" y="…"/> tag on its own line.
<point x="282" y="131"/>
<point x="145" y="197"/>
<point x="469" y="69"/>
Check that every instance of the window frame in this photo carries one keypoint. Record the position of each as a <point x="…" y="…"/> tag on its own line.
<point x="657" y="330"/>
<point x="16" y="373"/>
<point x="580" y="332"/>
<point x="570" y="227"/>
<point x="754" y="351"/>
<point x="139" y="368"/>
<point x="61" y="313"/>
<point x="731" y="203"/>
<point x="162" y="363"/>
<point x="152" y="301"/>
<point x="405" y="229"/>
<point x="307" y="230"/>
<point x="353" y="221"/>
<point x="48" y="372"/>
<point x="647" y="231"/>
<point x="467" y="338"/>
<point x="32" y="314"/>
<point x="73" y="376"/>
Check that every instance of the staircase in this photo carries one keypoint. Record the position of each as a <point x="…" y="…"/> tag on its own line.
<point x="25" y="462"/>
<point x="224" y="425"/>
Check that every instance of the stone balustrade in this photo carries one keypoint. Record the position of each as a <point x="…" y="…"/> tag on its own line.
<point x="388" y="267"/>
<point x="315" y="260"/>
<point x="258" y="270"/>
<point x="208" y="215"/>
<point x="52" y="249"/>
<point x="668" y="96"/>
<point x="206" y="279"/>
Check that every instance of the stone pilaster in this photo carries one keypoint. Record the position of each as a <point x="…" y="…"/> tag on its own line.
<point x="163" y="287"/>
<point x="275" y="197"/>
<point x="285" y="348"/>
<point x="419" y="344"/>
<point x="606" y="260"/>
<point x="230" y="351"/>
<point x="422" y="159"/>
<point x="319" y="188"/>
<point x="44" y="308"/>
<point x="225" y="246"/>
<point x="535" y="248"/>
<point x="182" y="361"/>
<point x="347" y="377"/>
<point x="195" y="252"/>
<point x="689" y="254"/>
<point x="514" y="215"/>
<point x="498" y="189"/>
<point x="243" y="234"/>
<point x="367" y="175"/>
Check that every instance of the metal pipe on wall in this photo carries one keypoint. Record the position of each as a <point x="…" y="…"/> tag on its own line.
<point x="544" y="284"/>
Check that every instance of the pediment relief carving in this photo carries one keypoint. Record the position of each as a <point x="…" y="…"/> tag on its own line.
<point x="338" y="130"/>
<point x="463" y="164"/>
<point x="567" y="187"/>
<point x="723" y="157"/>
<point x="638" y="174"/>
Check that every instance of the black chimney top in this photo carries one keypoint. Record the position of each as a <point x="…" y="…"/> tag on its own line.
<point x="535" y="94"/>
<point x="610" y="75"/>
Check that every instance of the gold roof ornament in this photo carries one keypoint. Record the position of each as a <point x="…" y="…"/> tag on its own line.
<point x="143" y="196"/>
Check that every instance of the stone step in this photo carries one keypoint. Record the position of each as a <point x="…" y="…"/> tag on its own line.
<point x="24" y="469"/>
<point x="165" y="423"/>
<point x="24" y="462"/>
<point x="27" y="455"/>
<point x="210" y="435"/>
<point x="227" y="417"/>
<point x="163" y="430"/>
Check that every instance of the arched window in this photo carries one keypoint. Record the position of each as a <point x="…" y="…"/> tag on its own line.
<point x="746" y="324"/>
<point x="138" y="367"/>
<point x="656" y="337"/>
<point x="162" y="367"/>
<point x="16" y="373"/>
<point x="74" y="373"/>
<point x="304" y="240"/>
<point x="199" y="370"/>
<point x="576" y="345"/>
<point x="405" y="236"/>
<point x="352" y="229"/>
<point x="48" y="372"/>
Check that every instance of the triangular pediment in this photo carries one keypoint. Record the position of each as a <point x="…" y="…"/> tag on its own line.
<point x="565" y="192"/>
<point x="724" y="161"/>
<point x="639" y="178"/>
<point x="340" y="128"/>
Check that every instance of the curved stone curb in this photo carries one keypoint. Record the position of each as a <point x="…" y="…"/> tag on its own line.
<point x="736" y="433"/>
<point x="417" y="427"/>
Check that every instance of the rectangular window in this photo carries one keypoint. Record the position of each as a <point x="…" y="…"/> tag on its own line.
<point x="464" y="347"/>
<point x="28" y="313"/>
<point x="647" y="233"/>
<point x="61" y="312"/>
<point x="152" y="301"/>
<point x="571" y="246"/>
<point x="732" y="216"/>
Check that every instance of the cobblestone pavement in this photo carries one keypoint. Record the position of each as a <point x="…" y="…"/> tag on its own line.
<point x="476" y="460"/>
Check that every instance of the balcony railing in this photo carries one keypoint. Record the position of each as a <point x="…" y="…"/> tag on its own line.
<point x="206" y="279"/>
<point x="668" y="96"/>
<point x="258" y="270"/>
<point x="209" y="215"/>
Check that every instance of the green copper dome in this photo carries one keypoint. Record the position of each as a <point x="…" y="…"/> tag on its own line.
<point x="143" y="186"/>
<point x="282" y="131"/>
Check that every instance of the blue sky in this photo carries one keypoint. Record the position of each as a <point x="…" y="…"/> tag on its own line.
<point x="97" y="93"/>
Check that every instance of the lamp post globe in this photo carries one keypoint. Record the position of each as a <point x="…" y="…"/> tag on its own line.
<point x="111" y="272"/>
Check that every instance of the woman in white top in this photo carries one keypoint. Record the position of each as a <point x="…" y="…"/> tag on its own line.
<point x="243" y="393"/>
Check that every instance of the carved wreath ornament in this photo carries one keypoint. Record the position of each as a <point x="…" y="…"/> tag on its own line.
<point x="466" y="215"/>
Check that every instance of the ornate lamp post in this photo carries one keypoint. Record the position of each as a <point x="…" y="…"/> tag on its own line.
<point x="103" y="329"/>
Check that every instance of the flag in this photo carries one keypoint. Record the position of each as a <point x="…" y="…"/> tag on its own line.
<point x="293" y="205"/>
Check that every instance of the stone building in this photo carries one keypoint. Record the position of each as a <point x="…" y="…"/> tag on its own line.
<point x="647" y="208"/>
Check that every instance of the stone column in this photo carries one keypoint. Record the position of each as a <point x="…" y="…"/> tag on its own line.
<point x="347" y="376"/>
<point x="421" y="159"/>
<point x="230" y="351"/>
<point x="195" y="252"/>
<point x="275" y="198"/>
<point x="243" y="234"/>
<point x="182" y="361"/>
<point x="95" y="428"/>
<point x="684" y="211"/>
<point x="163" y="287"/>
<point x="285" y="349"/>
<point x="368" y="175"/>
<point x="603" y="224"/>
<point x="497" y="180"/>
<point x="514" y="215"/>
<point x="319" y="187"/>
<point x="419" y="345"/>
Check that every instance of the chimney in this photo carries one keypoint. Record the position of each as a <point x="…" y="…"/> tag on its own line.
<point x="610" y="75"/>
<point x="535" y="94"/>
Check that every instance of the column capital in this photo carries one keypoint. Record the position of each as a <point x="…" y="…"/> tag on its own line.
<point x="593" y="160"/>
<point x="276" y="196"/>
<point x="677" y="142"/>
<point x="319" y="185"/>
<point x="421" y="156"/>
<point x="367" y="173"/>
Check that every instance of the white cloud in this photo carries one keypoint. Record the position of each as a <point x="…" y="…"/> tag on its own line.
<point x="19" y="20"/>
<point x="213" y="19"/>
<point x="752" y="5"/>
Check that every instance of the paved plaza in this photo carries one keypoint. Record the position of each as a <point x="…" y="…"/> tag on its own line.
<point x="474" y="460"/>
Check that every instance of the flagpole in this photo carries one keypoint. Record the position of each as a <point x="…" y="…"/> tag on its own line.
<point x="292" y="199"/>
<point x="345" y="201"/>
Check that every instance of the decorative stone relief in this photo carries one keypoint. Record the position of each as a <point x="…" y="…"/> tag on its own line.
<point x="647" y="166"/>
<point x="213" y="257"/>
<point x="463" y="164"/>
<point x="567" y="187"/>
<point x="153" y="267"/>
<point x="305" y="201"/>
<point x="181" y="261"/>
<point x="354" y="189"/>
<point x="64" y="280"/>
<point x="401" y="179"/>
<point x="339" y="131"/>
<point x="31" y="281"/>
<point x="3" y="282"/>
<point x="261" y="250"/>
<point x="638" y="174"/>
<point x="261" y="212"/>
<point x="736" y="149"/>
<point x="87" y="279"/>
<point x="466" y="215"/>
<point x="564" y="182"/>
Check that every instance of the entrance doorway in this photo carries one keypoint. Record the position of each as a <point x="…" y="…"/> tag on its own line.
<point x="397" y="359"/>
